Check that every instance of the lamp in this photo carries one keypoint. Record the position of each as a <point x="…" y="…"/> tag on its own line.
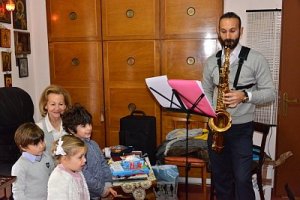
<point x="10" y="5"/>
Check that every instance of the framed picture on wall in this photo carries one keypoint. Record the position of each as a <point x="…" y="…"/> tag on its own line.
<point x="7" y="80"/>
<point x="22" y="42"/>
<point x="4" y="14"/>
<point x="6" y="61"/>
<point x="23" y="67"/>
<point x="20" y="15"/>
<point x="4" y="38"/>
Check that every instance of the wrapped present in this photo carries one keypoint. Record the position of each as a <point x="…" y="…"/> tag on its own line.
<point x="129" y="166"/>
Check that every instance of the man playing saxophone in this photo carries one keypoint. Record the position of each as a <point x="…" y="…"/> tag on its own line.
<point x="249" y="83"/>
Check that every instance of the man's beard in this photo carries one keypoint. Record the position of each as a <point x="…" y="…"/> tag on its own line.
<point x="229" y="43"/>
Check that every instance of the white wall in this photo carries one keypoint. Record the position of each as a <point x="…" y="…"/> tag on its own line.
<point x="240" y="7"/>
<point x="38" y="60"/>
<point x="40" y="53"/>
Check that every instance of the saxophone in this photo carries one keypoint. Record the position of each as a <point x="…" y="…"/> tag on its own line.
<point x="222" y="121"/>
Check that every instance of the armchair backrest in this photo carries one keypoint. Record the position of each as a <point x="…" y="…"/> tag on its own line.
<point x="16" y="108"/>
<point x="264" y="130"/>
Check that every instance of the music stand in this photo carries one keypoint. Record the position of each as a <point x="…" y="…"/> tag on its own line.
<point x="177" y="99"/>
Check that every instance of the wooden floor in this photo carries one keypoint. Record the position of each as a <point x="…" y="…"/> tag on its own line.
<point x="195" y="193"/>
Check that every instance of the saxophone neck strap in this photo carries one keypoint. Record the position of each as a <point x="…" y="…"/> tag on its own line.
<point x="242" y="57"/>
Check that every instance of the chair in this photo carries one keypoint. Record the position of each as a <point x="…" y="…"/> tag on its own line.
<point x="257" y="165"/>
<point x="180" y="161"/>
<point x="259" y="150"/>
<point x="16" y="107"/>
<point x="289" y="192"/>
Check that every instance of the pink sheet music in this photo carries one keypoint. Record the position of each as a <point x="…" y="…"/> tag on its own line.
<point x="190" y="90"/>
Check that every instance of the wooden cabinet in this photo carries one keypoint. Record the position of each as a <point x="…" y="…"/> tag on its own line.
<point x="188" y="33"/>
<point x="102" y="51"/>
<point x="75" y="47"/>
<point x="125" y="73"/>
<point x="184" y="59"/>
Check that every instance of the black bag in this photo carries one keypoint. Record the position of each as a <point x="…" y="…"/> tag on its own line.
<point x="139" y="131"/>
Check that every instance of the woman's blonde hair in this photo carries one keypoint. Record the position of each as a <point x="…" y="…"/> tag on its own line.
<point x="70" y="145"/>
<point x="53" y="89"/>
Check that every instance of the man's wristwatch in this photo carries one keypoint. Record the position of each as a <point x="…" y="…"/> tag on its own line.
<point x="246" y="98"/>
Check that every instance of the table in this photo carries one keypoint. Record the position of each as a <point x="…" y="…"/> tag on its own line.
<point x="5" y="186"/>
<point x="137" y="189"/>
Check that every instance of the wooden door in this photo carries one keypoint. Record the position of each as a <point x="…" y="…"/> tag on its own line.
<point x="68" y="20"/>
<point x="77" y="67"/>
<point x="288" y="138"/>
<point x="190" y="18"/>
<point x="130" y="19"/>
<point x="184" y="59"/>
<point x="126" y="65"/>
<point x="75" y="47"/>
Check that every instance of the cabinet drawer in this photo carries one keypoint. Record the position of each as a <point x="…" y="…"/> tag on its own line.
<point x="69" y="20"/>
<point x="130" y="19"/>
<point x="75" y="61"/>
<point x="190" y="18"/>
<point x="184" y="59"/>
<point x="128" y="63"/>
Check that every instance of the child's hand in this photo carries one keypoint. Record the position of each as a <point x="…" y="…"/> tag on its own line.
<point x="113" y="192"/>
<point x="109" y="191"/>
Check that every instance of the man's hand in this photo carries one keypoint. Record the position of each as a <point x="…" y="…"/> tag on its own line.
<point x="233" y="98"/>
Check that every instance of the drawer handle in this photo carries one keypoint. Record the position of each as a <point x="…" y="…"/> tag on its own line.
<point x="130" y="13"/>
<point x="191" y="11"/>
<point x="131" y="107"/>
<point x="130" y="61"/>
<point x="190" y="60"/>
<point x="75" y="62"/>
<point x="73" y="16"/>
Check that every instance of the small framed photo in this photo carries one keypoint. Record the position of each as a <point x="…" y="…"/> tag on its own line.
<point x="4" y="38"/>
<point x="23" y="67"/>
<point x="7" y="80"/>
<point x="22" y="42"/>
<point x="20" y="15"/>
<point x="4" y="14"/>
<point x="6" y="61"/>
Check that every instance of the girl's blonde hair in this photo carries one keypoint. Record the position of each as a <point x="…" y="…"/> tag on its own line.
<point x="70" y="145"/>
<point x="53" y="89"/>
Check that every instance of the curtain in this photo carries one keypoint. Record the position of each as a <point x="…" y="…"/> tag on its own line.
<point x="263" y="35"/>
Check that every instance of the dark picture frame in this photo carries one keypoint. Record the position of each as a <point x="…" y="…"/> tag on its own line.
<point x="22" y="42"/>
<point x="5" y="38"/>
<point x="6" y="61"/>
<point x="23" y="67"/>
<point x="7" y="80"/>
<point x="20" y="15"/>
<point x="5" y="15"/>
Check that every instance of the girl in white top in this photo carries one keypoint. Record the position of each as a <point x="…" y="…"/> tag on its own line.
<point x="67" y="182"/>
<point x="53" y="102"/>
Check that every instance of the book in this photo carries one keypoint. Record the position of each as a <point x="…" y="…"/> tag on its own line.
<point x="192" y="95"/>
<point x="189" y="93"/>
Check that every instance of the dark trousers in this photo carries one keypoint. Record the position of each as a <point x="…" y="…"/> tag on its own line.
<point x="231" y="168"/>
